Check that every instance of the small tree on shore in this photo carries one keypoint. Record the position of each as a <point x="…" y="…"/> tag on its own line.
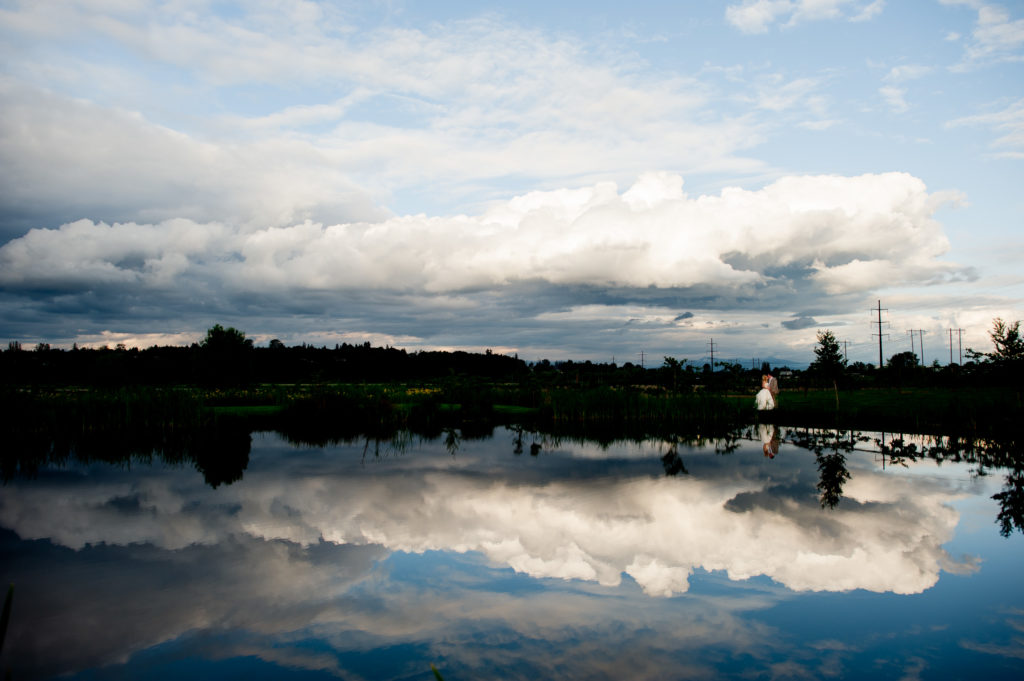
<point x="1009" y="346"/>
<point x="1006" y="361"/>
<point x="829" y="362"/>
<point x="674" y="369"/>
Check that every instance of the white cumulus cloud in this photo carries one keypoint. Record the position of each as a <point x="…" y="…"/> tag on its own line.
<point x="652" y="234"/>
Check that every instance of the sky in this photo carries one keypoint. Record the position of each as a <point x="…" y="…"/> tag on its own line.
<point x="604" y="181"/>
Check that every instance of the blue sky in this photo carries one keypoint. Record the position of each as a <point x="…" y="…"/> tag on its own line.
<point x="560" y="180"/>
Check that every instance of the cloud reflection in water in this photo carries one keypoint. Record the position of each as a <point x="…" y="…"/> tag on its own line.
<point x="299" y="549"/>
<point x="743" y="519"/>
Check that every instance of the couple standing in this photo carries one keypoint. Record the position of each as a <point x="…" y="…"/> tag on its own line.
<point x="768" y="396"/>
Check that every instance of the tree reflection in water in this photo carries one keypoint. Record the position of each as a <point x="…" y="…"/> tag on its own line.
<point x="223" y="455"/>
<point x="1011" y="503"/>
<point x="830" y="448"/>
<point x="992" y="453"/>
<point x="672" y="462"/>
<point x="1004" y="453"/>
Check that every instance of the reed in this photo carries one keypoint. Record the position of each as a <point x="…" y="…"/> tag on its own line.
<point x="640" y="406"/>
<point x="918" y="410"/>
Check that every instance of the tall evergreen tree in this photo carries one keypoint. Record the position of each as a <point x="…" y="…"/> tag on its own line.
<point x="829" y="362"/>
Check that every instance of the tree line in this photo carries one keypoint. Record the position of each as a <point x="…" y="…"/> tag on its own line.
<point x="1003" y="365"/>
<point x="227" y="357"/>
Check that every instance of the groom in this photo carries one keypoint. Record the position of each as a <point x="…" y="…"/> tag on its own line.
<point x="773" y="388"/>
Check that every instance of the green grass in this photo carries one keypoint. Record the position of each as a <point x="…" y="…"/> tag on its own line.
<point x="514" y="409"/>
<point x="247" y="409"/>
<point x="324" y="407"/>
<point x="921" y="410"/>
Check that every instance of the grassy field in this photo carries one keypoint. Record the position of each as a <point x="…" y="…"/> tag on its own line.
<point x="910" y="410"/>
<point x="390" y="406"/>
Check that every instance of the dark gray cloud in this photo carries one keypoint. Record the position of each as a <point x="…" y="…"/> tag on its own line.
<point x="802" y="322"/>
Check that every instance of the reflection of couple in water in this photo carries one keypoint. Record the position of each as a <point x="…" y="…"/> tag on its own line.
<point x="770" y="438"/>
<point x="767" y="397"/>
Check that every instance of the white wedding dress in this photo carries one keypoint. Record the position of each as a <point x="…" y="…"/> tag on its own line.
<point x="765" y="400"/>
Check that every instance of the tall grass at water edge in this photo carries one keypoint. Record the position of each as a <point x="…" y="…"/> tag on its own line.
<point x="663" y="410"/>
<point x="161" y="417"/>
<point x="918" y="410"/>
<point x="118" y="425"/>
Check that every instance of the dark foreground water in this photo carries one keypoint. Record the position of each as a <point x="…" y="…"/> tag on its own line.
<point x="493" y="559"/>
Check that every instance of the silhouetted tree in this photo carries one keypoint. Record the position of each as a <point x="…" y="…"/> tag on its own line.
<point x="1009" y="346"/>
<point x="903" y="362"/>
<point x="227" y="341"/>
<point x="227" y="355"/>
<point x="902" y="367"/>
<point x="829" y="363"/>
<point x="1006" y="362"/>
<point x="674" y="369"/>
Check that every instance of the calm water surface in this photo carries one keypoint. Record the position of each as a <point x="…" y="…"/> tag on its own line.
<point x="498" y="559"/>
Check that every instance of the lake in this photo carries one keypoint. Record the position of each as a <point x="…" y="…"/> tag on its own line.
<point x="519" y="556"/>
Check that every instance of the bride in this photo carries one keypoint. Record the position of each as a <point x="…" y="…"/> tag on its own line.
<point x="764" y="398"/>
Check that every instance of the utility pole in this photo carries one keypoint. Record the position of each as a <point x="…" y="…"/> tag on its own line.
<point x="920" y="336"/>
<point x="641" y="359"/>
<point x="711" y="344"/>
<point x="960" y="344"/>
<point x="844" y="352"/>
<point x="880" y="334"/>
